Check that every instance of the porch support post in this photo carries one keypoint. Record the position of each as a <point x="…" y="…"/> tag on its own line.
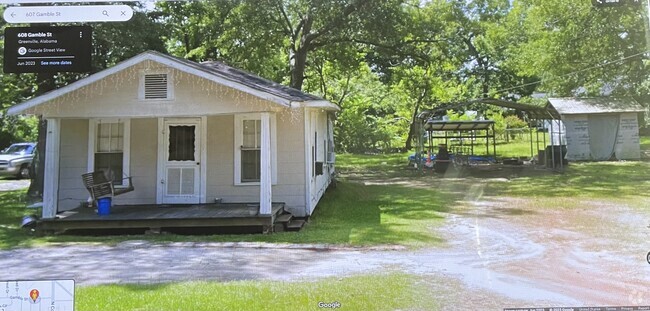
<point x="265" y="165"/>
<point x="51" y="176"/>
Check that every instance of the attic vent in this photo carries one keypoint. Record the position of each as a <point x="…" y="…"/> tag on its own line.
<point x="155" y="86"/>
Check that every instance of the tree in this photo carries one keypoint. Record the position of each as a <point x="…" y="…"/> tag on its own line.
<point x="14" y="90"/>
<point x="368" y="119"/>
<point x="291" y="29"/>
<point x="577" y="49"/>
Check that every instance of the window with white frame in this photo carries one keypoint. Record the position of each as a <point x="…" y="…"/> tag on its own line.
<point x="109" y="148"/>
<point x="156" y="85"/>
<point x="248" y="136"/>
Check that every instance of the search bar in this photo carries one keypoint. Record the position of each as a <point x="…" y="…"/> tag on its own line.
<point x="62" y="1"/>
<point x="68" y="14"/>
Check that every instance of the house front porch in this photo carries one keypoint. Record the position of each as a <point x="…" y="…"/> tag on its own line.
<point x="157" y="217"/>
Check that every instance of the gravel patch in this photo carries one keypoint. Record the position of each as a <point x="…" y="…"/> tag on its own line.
<point x="14" y="184"/>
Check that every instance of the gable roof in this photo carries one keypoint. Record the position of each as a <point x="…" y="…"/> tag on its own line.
<point x="214" y="71"/>
<point x="256" y="82"/>
<point x="564" y="106"/>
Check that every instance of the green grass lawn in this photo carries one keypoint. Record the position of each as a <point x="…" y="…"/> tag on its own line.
<point x="376" y="165"/>
<point x="596" y="180"/>
<point x="627" y="183"/>
<point x="517" y="148"/>
<point x="645" y="142"/>
<point x="373" y="292"/>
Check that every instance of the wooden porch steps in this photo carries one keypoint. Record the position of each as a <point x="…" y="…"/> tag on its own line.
<point x="281" y="221"/>
<point x="286" y="222"/>
<point x="284" y="218"/>
<point x="295" y="225"/>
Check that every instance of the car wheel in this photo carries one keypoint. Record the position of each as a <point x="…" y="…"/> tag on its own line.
<point x="24" y="172"/>
<point x="648" y="257"/>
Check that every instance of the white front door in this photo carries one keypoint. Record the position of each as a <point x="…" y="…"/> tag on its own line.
<point x="181" y="164"/>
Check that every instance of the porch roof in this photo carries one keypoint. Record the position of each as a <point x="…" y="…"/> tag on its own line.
<point x="214" y="71"/>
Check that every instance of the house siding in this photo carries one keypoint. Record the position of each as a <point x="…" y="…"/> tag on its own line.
<point x="319" y="183"/>
<point x="220" y="182"/>
<point x="143" y="161"/>
<point x="290" y="185"/>
<point x="73" y="162"/>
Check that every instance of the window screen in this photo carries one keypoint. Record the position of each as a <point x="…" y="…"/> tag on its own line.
<point x="250" y="150"/>
<point x="181" y="143"/>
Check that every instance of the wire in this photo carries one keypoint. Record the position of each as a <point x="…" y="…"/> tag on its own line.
<point x="570" y="73"/>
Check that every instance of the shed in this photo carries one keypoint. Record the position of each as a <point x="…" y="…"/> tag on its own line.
<point x="600" y="128"/>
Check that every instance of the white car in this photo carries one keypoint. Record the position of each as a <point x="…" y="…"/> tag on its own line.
<point x="16" y="159"/>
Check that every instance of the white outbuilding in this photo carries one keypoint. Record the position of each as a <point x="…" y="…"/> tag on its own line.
<point x="599" y="129"/>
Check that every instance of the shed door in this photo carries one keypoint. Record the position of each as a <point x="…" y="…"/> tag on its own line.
<point x="181" y="163"/>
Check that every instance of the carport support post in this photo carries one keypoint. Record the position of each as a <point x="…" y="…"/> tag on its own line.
<point x="559" y="123"/>
<point x="51" y="176"/>
<point x="537" y="141"/>
<point x="487" y="143"/>
<point x="553" y="143"/>
<point x="472" y="139"/>
<point x="494" y="141"/>
<point x="530" y="131"/>
<point x="265" y="165"/>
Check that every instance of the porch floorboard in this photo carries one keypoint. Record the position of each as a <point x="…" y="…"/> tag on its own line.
<point x="161" y="216"/>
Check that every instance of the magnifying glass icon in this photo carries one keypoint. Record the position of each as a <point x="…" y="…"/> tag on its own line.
<point x="105" y="13"/>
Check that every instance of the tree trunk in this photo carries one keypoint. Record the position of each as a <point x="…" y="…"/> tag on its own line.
<point x="298" y="68"/>
<point x="409" y="138"/>
<point x="412" y="133"/>
<point x="486" y="78"/>
<point x="301" y="45"/>
<point x="45" y="82"/>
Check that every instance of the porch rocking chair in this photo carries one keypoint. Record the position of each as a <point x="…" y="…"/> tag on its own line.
<point x="99" y="186"/>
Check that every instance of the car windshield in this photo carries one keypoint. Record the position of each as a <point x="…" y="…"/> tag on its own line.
<point x="18" y="149"/>
<point x="325" y="155"/>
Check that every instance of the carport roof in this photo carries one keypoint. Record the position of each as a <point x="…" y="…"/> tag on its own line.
<point x="534" y="112"/>
<point x="458" y="125"/>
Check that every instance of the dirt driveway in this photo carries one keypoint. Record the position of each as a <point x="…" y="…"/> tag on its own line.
<point x="10" y="184"/>
<point x="593" y="255"/>
<point x="502" y="252"/>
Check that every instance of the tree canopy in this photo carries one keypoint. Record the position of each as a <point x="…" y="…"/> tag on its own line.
<point x="383" y="61"/>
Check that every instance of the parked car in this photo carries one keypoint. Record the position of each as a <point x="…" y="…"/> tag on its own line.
<point x="16" y="159"/>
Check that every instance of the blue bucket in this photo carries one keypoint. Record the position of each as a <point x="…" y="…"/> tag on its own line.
<point x="103" y="206"/>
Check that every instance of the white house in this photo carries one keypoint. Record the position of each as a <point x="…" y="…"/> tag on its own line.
<point x="186" y="132"/>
